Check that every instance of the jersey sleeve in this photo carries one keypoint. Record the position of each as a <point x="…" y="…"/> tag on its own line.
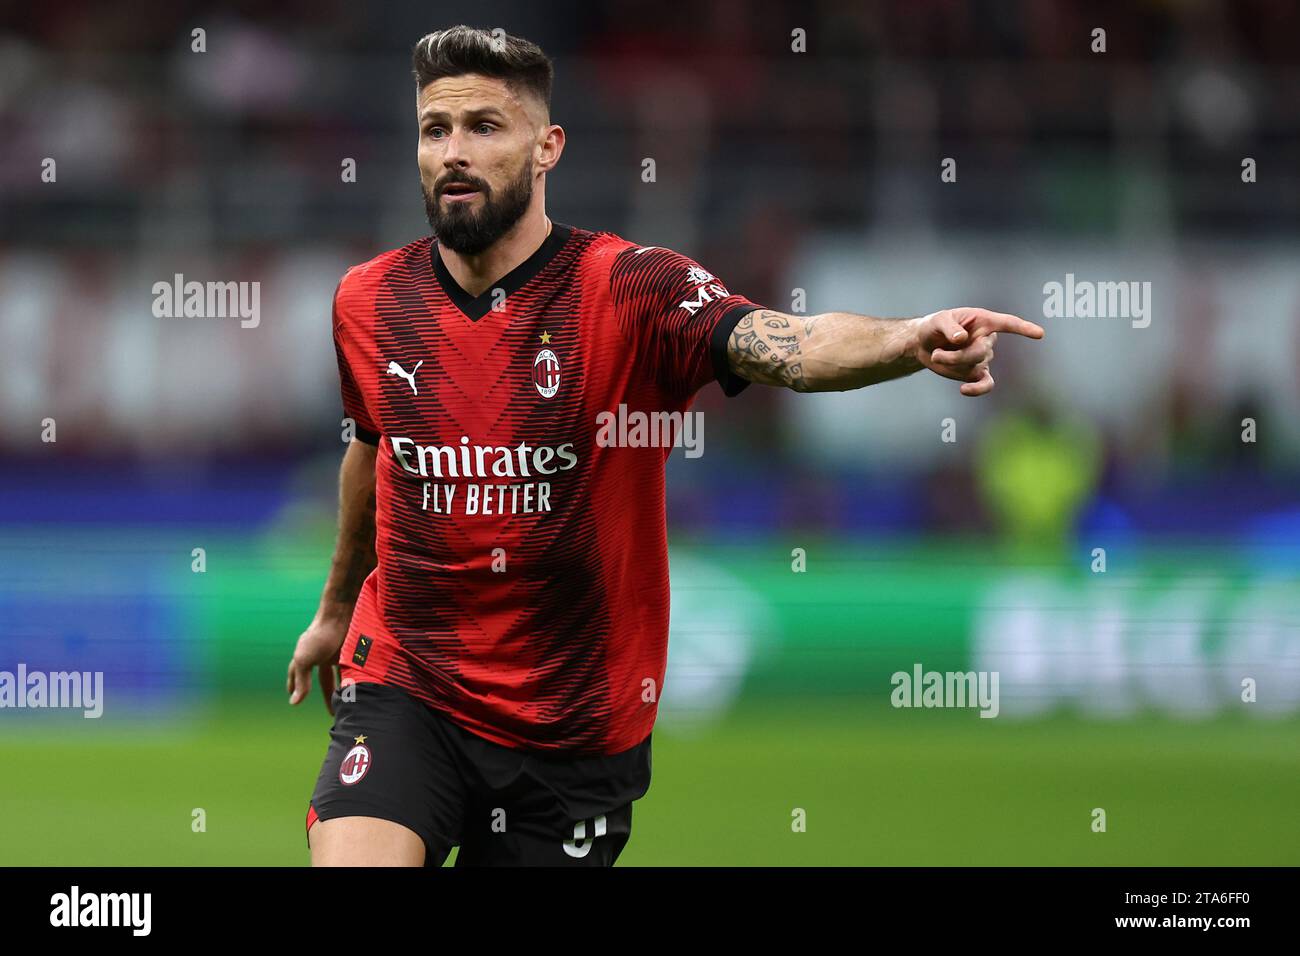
<point x="678" y="317"/>
<point x="354" y="403"/>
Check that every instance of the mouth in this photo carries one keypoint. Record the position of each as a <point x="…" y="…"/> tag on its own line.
<point x="459" y="192"/>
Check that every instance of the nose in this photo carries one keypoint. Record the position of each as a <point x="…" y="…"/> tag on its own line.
<point x="452" y="155"/>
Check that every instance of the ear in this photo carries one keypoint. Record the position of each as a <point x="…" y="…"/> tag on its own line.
<point x="550" y="147"/>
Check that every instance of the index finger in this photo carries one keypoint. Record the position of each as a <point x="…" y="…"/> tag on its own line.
<point x="300" y="682"/>
<point x="1003" y="322"/>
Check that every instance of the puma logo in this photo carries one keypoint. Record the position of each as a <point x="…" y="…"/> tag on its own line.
<point x="395" y="369"/>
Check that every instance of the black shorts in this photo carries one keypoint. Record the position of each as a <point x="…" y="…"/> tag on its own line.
<point x="393" y="757"/>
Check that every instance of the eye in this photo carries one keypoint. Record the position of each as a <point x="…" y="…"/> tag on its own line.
<point x="485" y="126"/>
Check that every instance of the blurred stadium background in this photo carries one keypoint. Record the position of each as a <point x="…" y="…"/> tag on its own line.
<point x="779" y="172"/>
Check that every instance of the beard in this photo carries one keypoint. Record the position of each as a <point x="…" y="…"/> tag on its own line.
<point x="462" y="229"/>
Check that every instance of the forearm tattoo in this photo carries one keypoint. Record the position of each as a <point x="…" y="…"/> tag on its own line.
<point x="831" y="351"/>
<point x="766" y="347"/>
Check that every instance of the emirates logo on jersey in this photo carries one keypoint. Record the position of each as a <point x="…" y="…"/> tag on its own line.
<point x="546" y="373"/>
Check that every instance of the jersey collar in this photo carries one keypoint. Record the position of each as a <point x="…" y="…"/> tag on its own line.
<point x="475" y="307"/>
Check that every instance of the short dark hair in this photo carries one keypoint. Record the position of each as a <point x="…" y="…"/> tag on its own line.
<point x="461" y="49"/>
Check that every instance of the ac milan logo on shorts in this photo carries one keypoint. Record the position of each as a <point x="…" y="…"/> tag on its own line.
<point x="355" y="765"/>
<point x="546" y="373"/>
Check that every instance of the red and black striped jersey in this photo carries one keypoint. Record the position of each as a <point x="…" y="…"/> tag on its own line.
<point x="522" y="578"/>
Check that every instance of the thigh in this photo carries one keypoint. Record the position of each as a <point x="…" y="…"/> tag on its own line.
<point x="385" y="770"/>
<point x="365" y="841"/>
<point x="520" y="838"/>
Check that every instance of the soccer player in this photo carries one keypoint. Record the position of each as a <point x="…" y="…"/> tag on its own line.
<point x="498" y="601"/>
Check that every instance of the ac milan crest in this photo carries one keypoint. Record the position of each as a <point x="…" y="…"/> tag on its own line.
<point x="355" y="765"/>
<point x="546" y="373"/>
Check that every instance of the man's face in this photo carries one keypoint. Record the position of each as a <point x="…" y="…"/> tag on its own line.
<point x="476" y="157"/>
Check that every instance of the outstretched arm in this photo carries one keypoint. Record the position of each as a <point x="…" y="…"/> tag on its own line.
<point x="838" y="351"/>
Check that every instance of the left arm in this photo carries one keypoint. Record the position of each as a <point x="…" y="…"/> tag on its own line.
<point x="838" y="351"/>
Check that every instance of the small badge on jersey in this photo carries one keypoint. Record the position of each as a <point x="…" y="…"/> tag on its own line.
<point x="362" y="651"/>
<point x="546" y="373"/>
<point x="355" y="764"/>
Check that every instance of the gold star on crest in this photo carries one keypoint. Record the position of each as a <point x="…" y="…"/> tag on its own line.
<point x="546" y="338"/>
<point x="360" y="739"/>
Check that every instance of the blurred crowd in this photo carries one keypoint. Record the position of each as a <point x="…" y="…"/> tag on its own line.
<point x="778" y="129"/>
<point x="241" y="143"/>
